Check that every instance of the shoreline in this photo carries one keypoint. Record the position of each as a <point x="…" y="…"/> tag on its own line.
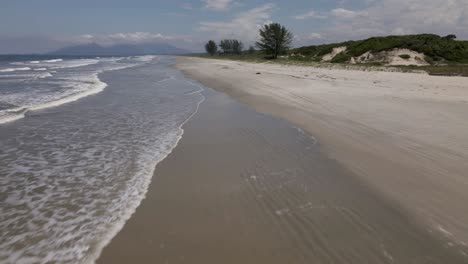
<point x="385" y="127"/>
<point x="107" y="240"/>
<point x="255" y="189"/>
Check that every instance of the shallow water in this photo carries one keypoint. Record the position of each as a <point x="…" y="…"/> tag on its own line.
<point x="73" y="172"/>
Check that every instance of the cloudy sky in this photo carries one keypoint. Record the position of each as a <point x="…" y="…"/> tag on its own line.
<point x="33" y="26"/>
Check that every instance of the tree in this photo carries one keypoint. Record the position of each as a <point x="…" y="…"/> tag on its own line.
<point x="251" y="50"/>
<point x="231" y="46"/>
<point x="237" y="46"/>
<point x="211" y="47"/>
<point x="274" y="39"/>
<point x="226" y="46"/>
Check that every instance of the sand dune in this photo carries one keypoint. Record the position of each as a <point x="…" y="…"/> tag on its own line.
<point x="406" y="135"/>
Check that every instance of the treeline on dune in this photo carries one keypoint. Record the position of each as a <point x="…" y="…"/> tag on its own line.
<point x="275" y="41"/>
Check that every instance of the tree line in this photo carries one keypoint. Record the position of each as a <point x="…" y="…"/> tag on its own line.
<point x="274" y="39"/>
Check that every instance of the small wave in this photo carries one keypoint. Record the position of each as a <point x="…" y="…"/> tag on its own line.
<point x="96" y="84"/>
<point x="40" y="69"/>
<point x="11" y="115"/>
<point x="145" y="58"/>
<point x="45" y="75"/>
<point x="91" y="86"/>
<point x="34" y="62"/>
<point x="15" y="69"/>
<point x="55" y="60"/>
<point x="75" y="64"/>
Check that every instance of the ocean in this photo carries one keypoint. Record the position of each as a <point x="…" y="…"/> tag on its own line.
<point x="79" y="142"/>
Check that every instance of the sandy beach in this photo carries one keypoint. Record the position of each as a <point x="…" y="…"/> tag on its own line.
<point x="403" y="134"/>
<point x="246" y="187"/>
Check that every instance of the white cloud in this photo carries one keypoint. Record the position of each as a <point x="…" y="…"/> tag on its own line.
<point x="310" y="14"/>
<point x="386" y="17"/>
<point x="126" y="38"/>
<point x="314" y="36"/>
<point x="218" y="5"/>
<point x="243" y="26"/>
<point x="345" y="13"/>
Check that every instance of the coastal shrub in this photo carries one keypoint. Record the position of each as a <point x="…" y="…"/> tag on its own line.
<point x="429" y="59"/>
<point x="445" y="48"/>
<point x="405" y="56"/>
<point x="341" y="58"/>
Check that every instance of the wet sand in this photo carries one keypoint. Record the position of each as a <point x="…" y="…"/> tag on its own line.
<point x="244" y="187"/>
<point x="404" y="134"/>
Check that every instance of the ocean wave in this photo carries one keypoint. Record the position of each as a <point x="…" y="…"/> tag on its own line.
<point x="55" y="60"/>
<point x="15" y="69"/>
<point x="34" y="62"/>
<point x="81" y="196"/>
<point x="145" y="58"/>
<point x="86" y="87"/>
<point x="75" y="63"/>
<point x="11" y="115"/>
<point x="40" y="69"/>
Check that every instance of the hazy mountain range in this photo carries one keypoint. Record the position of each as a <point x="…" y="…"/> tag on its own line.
<point x="94" y="49"/>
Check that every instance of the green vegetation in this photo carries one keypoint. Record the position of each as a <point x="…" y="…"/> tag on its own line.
<point x="446" y="55"/>
<point x="438" y="48"/>
<point x="275" y="39"/>
<point x="341" y="58"/>
<point x="231" y="46"/>
<point x="211" y="47"/>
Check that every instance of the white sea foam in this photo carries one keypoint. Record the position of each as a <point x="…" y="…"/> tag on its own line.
<point x="55" y="60"/>
<point x="74" y="87"/>
<point x="34" y="62"/>
<point x="145" y="58"/>
<point x="93" y="85"/>
<point x="74" y="63"/>
<point x="11" y="115"/>
<point x="69" y="204"/>
<point x="15" y="69"/>
<point x="40" y="69"/>
<point x="148" y="165"/>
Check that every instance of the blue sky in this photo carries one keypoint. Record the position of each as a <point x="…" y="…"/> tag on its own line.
<point x="29" y="26"/>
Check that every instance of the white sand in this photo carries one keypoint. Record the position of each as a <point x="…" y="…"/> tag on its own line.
<point x="335" y="51"/>
<point x="406" y="135"/>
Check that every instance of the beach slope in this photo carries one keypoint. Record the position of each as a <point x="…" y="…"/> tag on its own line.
<point x="404" y="134"/>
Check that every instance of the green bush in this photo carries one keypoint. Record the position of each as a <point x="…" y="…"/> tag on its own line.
<point x="341" y="58"/>
<point x="443" y="48"/>
<point x="405" y="56"/>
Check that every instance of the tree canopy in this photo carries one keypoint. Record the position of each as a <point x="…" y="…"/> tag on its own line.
<point x="231" y="46"/>
<point x="274" y="39"/>
<point x="211" y="47"/>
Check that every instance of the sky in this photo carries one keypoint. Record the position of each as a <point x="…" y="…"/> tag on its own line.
<point x="37" y="26"/>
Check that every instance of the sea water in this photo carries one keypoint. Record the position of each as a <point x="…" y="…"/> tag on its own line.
<point x="79" y="142"/>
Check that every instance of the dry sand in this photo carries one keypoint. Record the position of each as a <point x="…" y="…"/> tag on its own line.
<point x="405" y="135"/>
<point x="243" y="187"/>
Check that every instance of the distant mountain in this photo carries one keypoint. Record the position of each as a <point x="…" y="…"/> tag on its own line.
<point x="94" y="49"/>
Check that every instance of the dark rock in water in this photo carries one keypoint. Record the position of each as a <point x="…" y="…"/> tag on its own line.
<point x="258" y="73"/>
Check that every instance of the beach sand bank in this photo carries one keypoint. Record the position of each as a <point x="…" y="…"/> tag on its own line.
<point x="244" y="187"/>
<point x="403" y="134"/>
